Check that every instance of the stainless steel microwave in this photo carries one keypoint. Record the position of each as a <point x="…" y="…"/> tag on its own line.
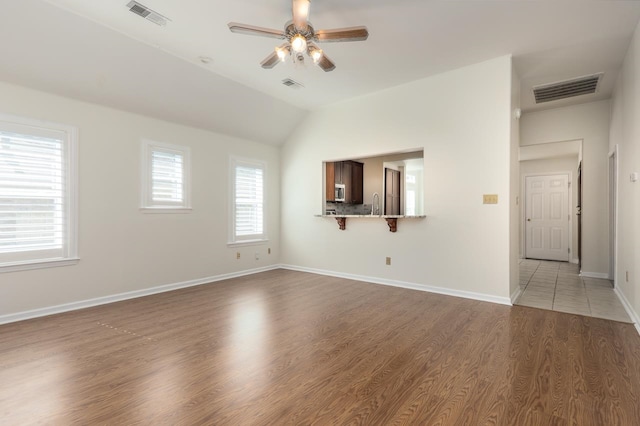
<point x="340" y="192"/>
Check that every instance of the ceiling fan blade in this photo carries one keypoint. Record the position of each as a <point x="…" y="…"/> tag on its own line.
<point x="255" y="31"/>
<point x="300" y="9"/>
<point x="270" y="61"/>
<point x="326" y="64"/>
<point x="342" y="34"/>
<point x="273" y="59"/>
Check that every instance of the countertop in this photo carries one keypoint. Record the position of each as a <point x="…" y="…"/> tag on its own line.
<point x="384" y="216"/>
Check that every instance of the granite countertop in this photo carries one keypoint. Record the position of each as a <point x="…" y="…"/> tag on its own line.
<point x="384" y="216"/>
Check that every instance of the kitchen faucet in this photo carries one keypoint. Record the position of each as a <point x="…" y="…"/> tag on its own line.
<point x="375" y="204"/>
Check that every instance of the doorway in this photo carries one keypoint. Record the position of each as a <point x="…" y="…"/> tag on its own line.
<point x="547" y="223"/>
<point x="392" y="191"/>
<point x="579" y="214"/>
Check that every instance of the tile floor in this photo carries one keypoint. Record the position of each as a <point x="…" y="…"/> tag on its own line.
<point x="558" y="286"/>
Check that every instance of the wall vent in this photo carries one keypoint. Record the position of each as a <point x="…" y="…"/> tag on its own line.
<point x="567" y="89"/>
<point x="292" y="83"/>
<point x="148" y="14"/>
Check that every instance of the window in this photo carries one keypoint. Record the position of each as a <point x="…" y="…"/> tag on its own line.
<point x="247" y="203"/>
<point x="37" y="194"/>
<point x="165" y="177"/>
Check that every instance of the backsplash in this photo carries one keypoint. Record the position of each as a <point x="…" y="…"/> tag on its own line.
<point x="347" y="209"/>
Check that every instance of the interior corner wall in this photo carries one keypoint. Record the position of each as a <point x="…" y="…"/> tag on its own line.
<point x="122" y="249"/>
<point x="464" y="130"/>
<point x="514" y="188"/>
<point x="589" y="122"/>
<point x="625" y="132"/>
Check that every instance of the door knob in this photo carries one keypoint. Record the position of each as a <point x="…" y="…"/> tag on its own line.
<point x="528" y="220"/>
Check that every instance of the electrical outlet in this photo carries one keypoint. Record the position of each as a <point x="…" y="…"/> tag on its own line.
<point x="269" y="250"/>
<point x="388" y="261"/>
<point x="237" y="255"/>
<point x="627" y="276"/>
<point x="257" y="256"/>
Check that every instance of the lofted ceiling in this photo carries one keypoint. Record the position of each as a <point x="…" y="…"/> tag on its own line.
<point x="100" y="52"/>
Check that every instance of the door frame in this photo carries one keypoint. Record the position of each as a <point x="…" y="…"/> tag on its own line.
<point x="523" y="218"/>
<point x="613" y="169"/>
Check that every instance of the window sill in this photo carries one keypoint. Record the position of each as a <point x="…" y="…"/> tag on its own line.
<point x="175" y="210"/>
<point x="37" y="264"/>
<point x="247" y="243"/>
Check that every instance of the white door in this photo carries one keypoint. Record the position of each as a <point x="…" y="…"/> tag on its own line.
<point x="547" y="217"/>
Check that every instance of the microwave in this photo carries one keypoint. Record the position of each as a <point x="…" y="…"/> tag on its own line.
<point x="340" y="192"/>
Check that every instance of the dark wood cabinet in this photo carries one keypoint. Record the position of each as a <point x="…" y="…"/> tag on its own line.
<point x="348" y="173"/>
<point x="357" y="171"/>
<point x="347" y="180"/>
<point x="330" y="173"/>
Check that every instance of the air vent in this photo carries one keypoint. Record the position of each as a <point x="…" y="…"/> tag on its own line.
<point x="292" y="83"/>
<point x="148" y="14"/>
<point x="567" y="89"/>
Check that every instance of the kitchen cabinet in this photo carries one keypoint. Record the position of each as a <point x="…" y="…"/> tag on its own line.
<point x="347" y="180"/>
<point x="357" y="170"/>
<point x="330" y="173"/>
<point x="348" y="173"/>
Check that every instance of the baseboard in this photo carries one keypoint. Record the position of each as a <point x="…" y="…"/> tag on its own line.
<point x="627" y="307"/>
<point x="403" y="284"/>
<point x="600" y="275"/>
<point x="514" y="296"/>
<point x="574" y="261"/>
<point x="73" y="306"/>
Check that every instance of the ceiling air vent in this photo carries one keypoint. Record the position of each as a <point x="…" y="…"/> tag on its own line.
<point x="148" y="14"/>
<point x="567" y="89"/>
<point x="292" y="83"/>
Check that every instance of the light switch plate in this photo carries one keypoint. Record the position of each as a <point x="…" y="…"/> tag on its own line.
<point x="490" y="199"/>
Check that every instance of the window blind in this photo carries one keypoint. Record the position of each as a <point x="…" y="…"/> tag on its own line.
<point x="33" y="185"/>
<point x="249" y="202"/>
<point x="167" y="177"/>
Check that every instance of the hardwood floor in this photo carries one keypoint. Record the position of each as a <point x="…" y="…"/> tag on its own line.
<point x="285" y="347"/>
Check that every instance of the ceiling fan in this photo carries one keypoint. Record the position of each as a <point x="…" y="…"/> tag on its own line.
<point x="301" y="37"/>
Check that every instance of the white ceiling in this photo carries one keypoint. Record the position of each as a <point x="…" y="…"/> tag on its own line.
<point x="117" y="58"/>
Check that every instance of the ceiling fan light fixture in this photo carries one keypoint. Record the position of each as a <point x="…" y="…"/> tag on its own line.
<point x="316" y="55"/>
<point x="300" y="37"/>
<point x="282" y="53"/>
<point x="299" y="43"/>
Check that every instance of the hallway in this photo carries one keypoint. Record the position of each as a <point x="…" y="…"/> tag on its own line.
<point x="558" y="286"/>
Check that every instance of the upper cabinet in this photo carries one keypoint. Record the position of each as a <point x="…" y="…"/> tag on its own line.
<point x="356" y="183"/>
<point x="348" y="173"/>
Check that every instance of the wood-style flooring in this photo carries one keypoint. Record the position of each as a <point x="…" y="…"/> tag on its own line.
<point x="285" y="347"/>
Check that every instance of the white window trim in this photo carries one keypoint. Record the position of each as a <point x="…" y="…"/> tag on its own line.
<point x="71" y="197"/>
<point x="233" y="162"/>
<point x="146" y="203"/>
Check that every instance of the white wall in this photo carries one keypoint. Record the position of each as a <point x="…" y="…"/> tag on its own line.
<point x="589" y="122"/>
<point x="514" y="191"/>
<point x="464" y="129"/>
<point x="553" y="165"/>
<point x="625" y="132"/>
<point x="122" y="249"/>
<point x="372" y="179"/>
